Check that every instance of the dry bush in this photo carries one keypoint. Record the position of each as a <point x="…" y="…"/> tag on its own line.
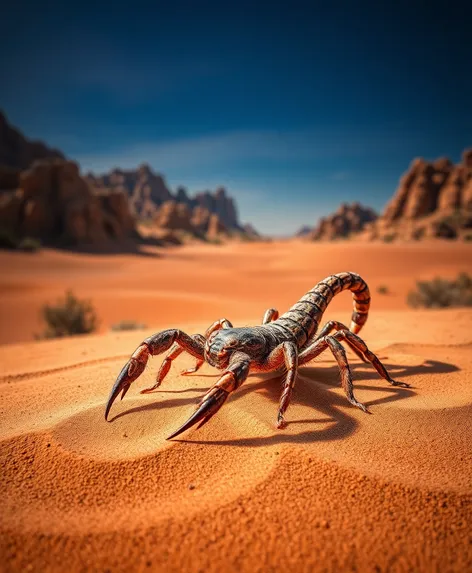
<point x="68" y="317"/>
<point x="383" y="289"/>
<point x="442" y="293"/>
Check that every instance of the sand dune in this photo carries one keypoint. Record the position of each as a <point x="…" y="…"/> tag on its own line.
<point x="336" y="490"/>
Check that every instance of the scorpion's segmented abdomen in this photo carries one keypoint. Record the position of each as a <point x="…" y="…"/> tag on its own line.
<point x="304" y="317"/>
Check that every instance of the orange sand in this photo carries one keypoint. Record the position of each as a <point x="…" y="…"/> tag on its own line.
<point x="336" y="490"/>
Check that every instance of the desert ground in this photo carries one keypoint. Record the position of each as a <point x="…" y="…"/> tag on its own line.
<point x="337" y="490"/>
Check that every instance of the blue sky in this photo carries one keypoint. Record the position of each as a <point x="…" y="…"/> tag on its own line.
<point x="293" y="106"/>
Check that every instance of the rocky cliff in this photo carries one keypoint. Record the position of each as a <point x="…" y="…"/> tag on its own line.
<point x="199" y="221"/>
<point x="17" y="151"/>
<point x="43" y="195"/>
<point x="433" y="199"/>
<point x="348" y="219"/>
<point x="148" y="191"/>
<point x="52" y="202"/>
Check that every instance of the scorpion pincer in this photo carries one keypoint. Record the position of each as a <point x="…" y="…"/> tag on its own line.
<point x="279" y="343"/>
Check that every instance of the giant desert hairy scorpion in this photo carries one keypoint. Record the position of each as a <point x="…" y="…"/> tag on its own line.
<point x="284" y="342"/>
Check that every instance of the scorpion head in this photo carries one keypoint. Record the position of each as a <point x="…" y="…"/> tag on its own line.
<point x="224" y="343"/>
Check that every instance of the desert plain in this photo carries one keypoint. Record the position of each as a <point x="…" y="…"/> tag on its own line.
<point x="337" y="490"/>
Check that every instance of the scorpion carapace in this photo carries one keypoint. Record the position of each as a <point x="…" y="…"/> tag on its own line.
<point x="284" y="342"/>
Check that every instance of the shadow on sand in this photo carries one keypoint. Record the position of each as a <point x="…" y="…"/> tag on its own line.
<point x="136" y="246"/>
<point x="314" y="390"/>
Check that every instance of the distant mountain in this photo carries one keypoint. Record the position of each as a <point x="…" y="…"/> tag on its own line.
<point x="148" y="191"/>
<point x="433" y="199"/>
<point x="17" y="151"/>
<point x="43" y="196"/>
<point x="348" y="219"/>
<point x="304" y="231"/>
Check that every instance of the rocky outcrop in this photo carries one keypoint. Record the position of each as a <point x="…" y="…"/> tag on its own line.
<point x="174" y="216"/>
<point x="145" y="189"/>
<point x="148" y="191"/>
<point x="250" y="231"/>
<point x="220" y="204"/>
<point x="18" y="152"/>
<point x="434" y="199"/>
<point x="304" y="231"/>
<point x="216" y="227"/>
<point x="348" y="219"/>
<point x="199" y="221"/>
<point x="52" y="202"/>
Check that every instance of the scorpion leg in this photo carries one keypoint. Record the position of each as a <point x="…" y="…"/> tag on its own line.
<point x="175" y="351"/>
<point x="156" y="344"/>
<point x="346" y="376"/>
<point x="339" y="353"/>
<point x="290" y="351"/>
<point x="212" y="401"/>
<point x="354" y="340"/>
<point x="270" y="315"/>
<point x="218" y="325"/>
<point x="335" y="325"/>
<point x="222" y="323"/>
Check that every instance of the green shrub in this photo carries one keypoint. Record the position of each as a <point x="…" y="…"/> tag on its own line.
<point x="383" y="289"/>
<point x="124" y="325"/>
<point x="442" y="293"/>
<point x="29" y="245"/>
<point x="68" y="317"/>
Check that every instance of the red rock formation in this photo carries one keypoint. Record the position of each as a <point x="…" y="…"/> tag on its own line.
<point x="200" y="219"/>
<point x="174" y="216"/>
<point x="148" y="191"/>
<point x="348" y="219"/>
<point x="55" y="204"/>
<point x="216" y="227"/>
<point x="434" y="199"/>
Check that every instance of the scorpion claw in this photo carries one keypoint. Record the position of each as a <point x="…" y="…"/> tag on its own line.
<point x="204" y="412"/>
<point x="128" y="374"/>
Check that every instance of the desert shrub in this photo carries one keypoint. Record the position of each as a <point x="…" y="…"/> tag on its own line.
<point x="29" y="244"/>
<point x="441" y="293"/>
<point x="389" y="238"/>
<point x="214" y="241"/>
<point x="8" y="239"/>
<point x="383" y="289"/>
<point x="468" y="238"/>
<point x="68" y="317"/>
<point x="124" y="325"/>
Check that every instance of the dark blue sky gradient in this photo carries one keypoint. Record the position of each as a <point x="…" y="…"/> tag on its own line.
<point x="293" y="106"/>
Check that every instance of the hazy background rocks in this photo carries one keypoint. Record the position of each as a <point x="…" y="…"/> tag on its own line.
<point x="44" y="196"/>
<point x="433" y="200"/>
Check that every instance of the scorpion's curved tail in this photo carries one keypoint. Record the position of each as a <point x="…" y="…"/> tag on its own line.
<point x="315" y="302"/>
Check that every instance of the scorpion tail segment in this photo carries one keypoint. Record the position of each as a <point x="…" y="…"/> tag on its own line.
<point x="131" y="370"/>
<point x="204" y="412"/>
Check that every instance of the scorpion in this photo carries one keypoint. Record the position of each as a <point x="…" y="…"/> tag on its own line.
<point x="279" y="343"/>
